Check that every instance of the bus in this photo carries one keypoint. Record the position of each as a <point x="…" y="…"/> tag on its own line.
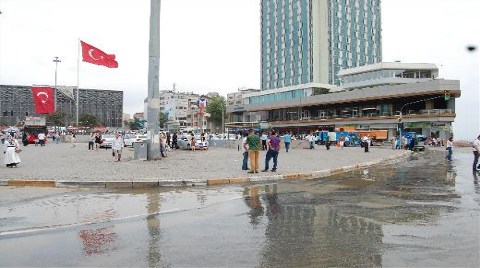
<point x="32" y="126"/>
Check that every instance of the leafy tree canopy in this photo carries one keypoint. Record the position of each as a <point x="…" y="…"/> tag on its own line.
<point x="215" y="107"/>
<point x="88" y="120"/>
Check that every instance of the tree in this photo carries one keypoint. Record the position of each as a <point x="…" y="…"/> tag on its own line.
<point x="87" y="120"/>
<point x="162" y="119"/>
<point x="216" y="106"/>
<point x="56" y="119"/>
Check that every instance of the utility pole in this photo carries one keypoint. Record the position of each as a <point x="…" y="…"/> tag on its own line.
<point x="153" y="100"/>
<point x="56" y="60"/>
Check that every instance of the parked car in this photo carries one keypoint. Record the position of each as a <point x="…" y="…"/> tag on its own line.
<point x="107" y="140"/>
<point x="184" y="143"/>
<point x="129" y="140"/>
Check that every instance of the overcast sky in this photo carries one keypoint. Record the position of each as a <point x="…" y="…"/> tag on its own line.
<point x="214" y="45"/>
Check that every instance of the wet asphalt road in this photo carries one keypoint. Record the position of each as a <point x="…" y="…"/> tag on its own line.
<point x="422" y="213"/>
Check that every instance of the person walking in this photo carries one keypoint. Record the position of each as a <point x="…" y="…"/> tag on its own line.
<point x="287" y="139"/>
<point x="273" y="145"/>
<point x="327" y="142"/>
<point x="341" y="141"/>
<point x="365" y="142"/>
<point x="476" y="153"/>
<point x="245" y="153"/>
<point x="253" y="143"/>
<point x="311" y="140"/>
<point x="91" y="141"/>
<point x="264" y="141"/>
<point x="174" y="140"/>
<point x="41" y="139"/>
<point x="24" y="138"/>
<point x="117" y="147"/>
<point x="192" y="142"/>
<point x="163" y="144"/>
<point x="98" y="141"/>
<point x="11" y="158"/>
<point x="73" y="140"/>
<point x="449" y="149"/>
<point x="169" y="143"/>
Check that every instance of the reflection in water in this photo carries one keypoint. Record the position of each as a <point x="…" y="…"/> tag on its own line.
<point x="358" y="238"/>
<point x="475" y="183"/>
<point x="318" y="224"/>
<point x="99" y="240"/>
<point x="252" y="199"/>
<point x="153" y="225"/>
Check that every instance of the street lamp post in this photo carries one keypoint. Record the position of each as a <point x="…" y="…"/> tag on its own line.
<point x="56" y="60"/>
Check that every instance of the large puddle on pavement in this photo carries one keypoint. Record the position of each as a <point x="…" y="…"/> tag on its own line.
<point x="422" y="213"/>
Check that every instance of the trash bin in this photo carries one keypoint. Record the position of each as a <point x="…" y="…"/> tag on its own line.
<point x="140" y="150"/>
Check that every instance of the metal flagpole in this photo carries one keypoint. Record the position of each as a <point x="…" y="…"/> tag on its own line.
<point x="78" y="80"/>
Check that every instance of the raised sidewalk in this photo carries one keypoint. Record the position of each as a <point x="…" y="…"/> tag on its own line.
<point x="62" y="166"/>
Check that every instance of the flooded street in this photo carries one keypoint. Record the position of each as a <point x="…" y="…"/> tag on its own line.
<point x="425" y="212"/>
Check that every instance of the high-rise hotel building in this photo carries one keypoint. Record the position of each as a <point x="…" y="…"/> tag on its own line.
<point x="310" y="41"/>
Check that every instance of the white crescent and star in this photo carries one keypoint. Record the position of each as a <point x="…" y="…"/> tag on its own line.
<point x="43" y="93"/>
<point x="90" y="53"/>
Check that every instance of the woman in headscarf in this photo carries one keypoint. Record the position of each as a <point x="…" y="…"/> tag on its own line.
<point x="11" y="156"/>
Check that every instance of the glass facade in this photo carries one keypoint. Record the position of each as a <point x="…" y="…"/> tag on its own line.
<point x="379" y="74"/>
<point x="286" y="47"/>
<point x="278" y="96"/>
<point x="287" y="32"/>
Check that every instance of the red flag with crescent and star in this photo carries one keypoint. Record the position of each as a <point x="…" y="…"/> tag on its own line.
<point x="94" y="55"/>
<point x="43" y="99"/>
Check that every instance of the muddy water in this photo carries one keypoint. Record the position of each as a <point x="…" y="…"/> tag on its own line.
<point x="422" y="213"/>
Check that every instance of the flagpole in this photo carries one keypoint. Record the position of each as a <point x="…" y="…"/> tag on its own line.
<point x="78" y="80"/>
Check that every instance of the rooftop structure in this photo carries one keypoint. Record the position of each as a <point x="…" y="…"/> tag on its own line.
<point x="387" y="73"/>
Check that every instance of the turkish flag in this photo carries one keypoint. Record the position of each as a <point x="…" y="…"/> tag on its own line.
<point x="43" y="98"/>
<point x="94" y="55"/>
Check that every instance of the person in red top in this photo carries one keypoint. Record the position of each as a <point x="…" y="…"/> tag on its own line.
<point x="273" y="146"/>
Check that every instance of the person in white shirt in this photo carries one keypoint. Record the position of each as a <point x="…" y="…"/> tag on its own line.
<point x="11" y="158"/>
<point x="311" y="140"/>
<point x="117" y="147"/>
<point x="41" y="139"/>
<point x="366" y="143"/>
<point x="476" y="153"/>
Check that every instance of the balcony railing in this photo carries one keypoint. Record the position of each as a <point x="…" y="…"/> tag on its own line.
<point x="431" y="112"/>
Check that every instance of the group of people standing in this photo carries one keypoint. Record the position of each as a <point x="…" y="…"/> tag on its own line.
<point x="94" y="141"/>
<point x="252" y="143"/>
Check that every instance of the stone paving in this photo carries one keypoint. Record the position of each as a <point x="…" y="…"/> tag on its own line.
<point x="64" y="165"/>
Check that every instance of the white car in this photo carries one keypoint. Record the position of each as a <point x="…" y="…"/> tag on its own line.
<point x="183" y="142"/>
<point x="131" y="139"/>
<point x="107" y="140"/>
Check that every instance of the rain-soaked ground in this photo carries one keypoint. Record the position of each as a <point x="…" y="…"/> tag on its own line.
<point x="422" y="213"/>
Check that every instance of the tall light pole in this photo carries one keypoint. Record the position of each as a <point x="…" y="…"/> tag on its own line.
<point x="153" y="99"/>
<point x="56" y="60"/>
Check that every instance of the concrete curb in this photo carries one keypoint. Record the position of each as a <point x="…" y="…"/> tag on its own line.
<point x="155" y="182"/>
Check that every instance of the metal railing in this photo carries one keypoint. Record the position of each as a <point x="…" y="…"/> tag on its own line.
<point x="370" y="115"/>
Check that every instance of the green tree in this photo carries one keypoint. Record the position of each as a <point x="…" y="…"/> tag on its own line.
<point x="87" y="120"/>
<point x="56" y="119"/>
<point x="134" y="124"/>
<point x="162" y="119"/>
<point x="215" y="107"/>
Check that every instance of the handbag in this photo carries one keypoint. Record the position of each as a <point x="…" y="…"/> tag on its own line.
<point x="17" y="150"/>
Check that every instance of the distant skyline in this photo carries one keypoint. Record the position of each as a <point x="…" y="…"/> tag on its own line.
<point x="214" y="45"/>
